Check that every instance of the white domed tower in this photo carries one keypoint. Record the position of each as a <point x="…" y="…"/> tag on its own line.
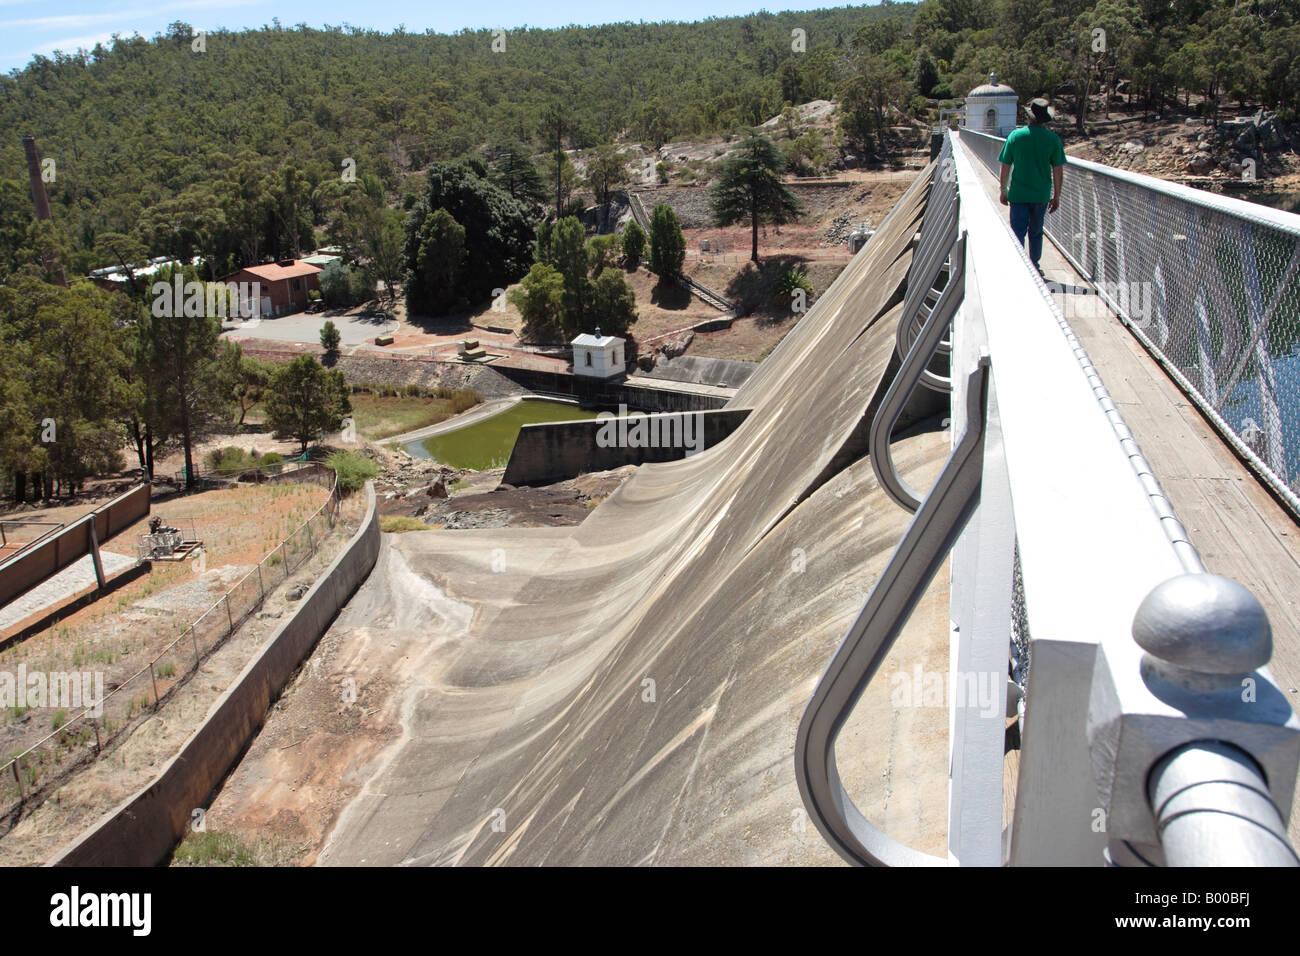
<point x="991" y="108"/>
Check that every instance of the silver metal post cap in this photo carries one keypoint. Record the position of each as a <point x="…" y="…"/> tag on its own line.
<point x="1204" y="623"/>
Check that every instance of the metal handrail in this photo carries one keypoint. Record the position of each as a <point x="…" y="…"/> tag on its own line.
<point x="1123" y="691"/>
<point x="897" y="591"/>
<point x="909" y="376"/>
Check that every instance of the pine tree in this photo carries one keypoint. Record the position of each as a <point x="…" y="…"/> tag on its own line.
<point x="750" y="188"/>
<point x="667" y="244"/>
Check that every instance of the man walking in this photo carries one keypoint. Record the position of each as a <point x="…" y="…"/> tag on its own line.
<point x="1033" y="160"/>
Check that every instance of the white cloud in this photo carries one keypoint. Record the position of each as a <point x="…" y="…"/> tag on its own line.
<point x="70" y="44"/>
<point x="75" y="20"/>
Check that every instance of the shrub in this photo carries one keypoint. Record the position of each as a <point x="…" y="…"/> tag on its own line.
<point x="633" y="244"/>
<point x="329" y="336"/>
<point x="228" y="459"/>
<point x="787" y="282"/>
<point x="353" y="470"/>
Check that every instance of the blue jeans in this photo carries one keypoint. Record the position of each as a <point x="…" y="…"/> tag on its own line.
<point x="1027" y="217"/>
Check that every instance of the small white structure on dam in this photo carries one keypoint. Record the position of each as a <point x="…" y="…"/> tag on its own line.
<point x="991" y="108"/>
<point x="600" y="356"/>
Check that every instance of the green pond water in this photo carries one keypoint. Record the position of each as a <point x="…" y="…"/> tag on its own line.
<point x="487" y="444"/>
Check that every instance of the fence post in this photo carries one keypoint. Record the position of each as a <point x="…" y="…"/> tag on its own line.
<point x="18" y="779"/>
<point x="154" y="679"/>
<point x="310" y="543"/>
<point x="229" y="617"/>
<point x="284" y="556"/>
<point x="260" y="587"/>
<point x="98" y="747"/>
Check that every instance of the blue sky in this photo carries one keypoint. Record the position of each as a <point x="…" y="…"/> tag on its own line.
<point x="28" y="27"/>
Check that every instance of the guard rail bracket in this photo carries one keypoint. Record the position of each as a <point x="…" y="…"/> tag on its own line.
<point x="919" y="555"/>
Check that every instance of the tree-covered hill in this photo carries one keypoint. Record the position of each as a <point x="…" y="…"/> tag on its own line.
<point x="236" y="141"/>
<point x="131" y="125"/>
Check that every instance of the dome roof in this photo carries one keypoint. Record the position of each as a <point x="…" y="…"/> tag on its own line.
<point x="992" y="88"/>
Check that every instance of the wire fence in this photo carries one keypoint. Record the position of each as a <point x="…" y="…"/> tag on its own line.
<point x="28" y="777"/>
<point x="268" y="472"/>
<point x="1211" y="286"/>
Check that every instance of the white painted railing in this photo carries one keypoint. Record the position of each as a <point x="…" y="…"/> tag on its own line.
<point x="1211" y="286"/>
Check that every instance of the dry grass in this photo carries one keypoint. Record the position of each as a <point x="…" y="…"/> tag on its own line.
<point x="117" y="634"/>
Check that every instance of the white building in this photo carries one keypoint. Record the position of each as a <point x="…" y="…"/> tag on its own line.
<point x="600" y="356"/>
<point x="992" y="108"/>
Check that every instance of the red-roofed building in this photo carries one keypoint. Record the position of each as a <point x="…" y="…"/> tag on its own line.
<point x="284" y="285"/>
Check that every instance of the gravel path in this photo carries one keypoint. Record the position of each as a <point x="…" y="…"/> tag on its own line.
<point x="69" y="582"/>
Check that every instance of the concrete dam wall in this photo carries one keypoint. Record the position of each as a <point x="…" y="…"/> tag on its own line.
<point x="627" y="691"/>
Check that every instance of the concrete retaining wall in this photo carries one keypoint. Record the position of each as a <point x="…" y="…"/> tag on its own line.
<point x="143" y="830"/>
<point x="554" y="451"/>
<point x="28" y="569"/>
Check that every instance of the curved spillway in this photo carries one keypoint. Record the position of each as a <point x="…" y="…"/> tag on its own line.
<point x="628" y="690"/>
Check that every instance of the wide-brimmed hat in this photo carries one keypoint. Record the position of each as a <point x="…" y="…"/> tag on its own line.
<point x="1040" y="110"/>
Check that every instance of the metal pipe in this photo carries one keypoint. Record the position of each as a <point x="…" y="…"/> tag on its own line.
<point x="1213" y="808"/>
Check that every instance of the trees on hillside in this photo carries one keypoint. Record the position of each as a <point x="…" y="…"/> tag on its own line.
<point x="667" y="244"/>
<point x="606" y="171"/>
<point x="305" y="400"/>
<point x="64" y="389"/>
<point x="877" y="84"/>
<point x="573" y="287"/>
<point x="750" y="189"/>
<point x="233" y="160"/>
<point x="498" y="236"/>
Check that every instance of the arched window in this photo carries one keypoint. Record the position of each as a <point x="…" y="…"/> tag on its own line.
<point x="991" y="120"/>
<point x="588" y="358"/>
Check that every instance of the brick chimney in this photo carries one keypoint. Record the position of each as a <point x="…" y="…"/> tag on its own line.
<point x="41" y="202"/>
<point x="39" y="199"/>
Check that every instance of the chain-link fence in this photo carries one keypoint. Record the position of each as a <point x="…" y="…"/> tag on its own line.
<point x="29" y="776"/>
<point x="1210" y="284"/>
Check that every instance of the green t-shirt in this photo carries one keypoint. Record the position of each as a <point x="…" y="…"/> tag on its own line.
<point x="1031" y="152"/>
